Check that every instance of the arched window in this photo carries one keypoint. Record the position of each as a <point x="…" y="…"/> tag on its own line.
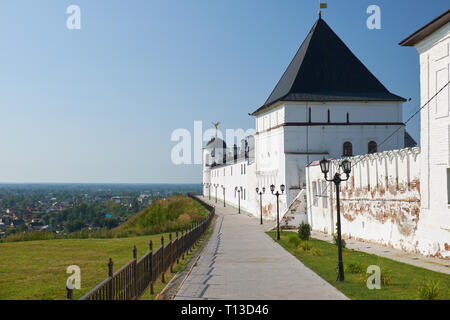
<point x="372" y="147"/>
<point x="347" y="149"/>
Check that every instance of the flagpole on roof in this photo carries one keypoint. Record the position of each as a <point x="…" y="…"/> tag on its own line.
<point x="322" y="6"/>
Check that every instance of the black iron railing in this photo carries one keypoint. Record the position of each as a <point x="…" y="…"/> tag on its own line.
<point x="134" y="278"/>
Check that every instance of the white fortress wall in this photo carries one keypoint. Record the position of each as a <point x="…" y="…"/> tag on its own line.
<point x="270" y="161"/>
<point x="435" y="140"/>
<point x="379" y="203"/>
<point x="239" y="174"/>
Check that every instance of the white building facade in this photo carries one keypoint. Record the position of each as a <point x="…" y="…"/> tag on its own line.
<point x="400" y="198"/>
<point x="326" y="104"/>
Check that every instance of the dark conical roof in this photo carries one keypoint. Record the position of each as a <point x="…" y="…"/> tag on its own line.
<point x="324" y="69"/>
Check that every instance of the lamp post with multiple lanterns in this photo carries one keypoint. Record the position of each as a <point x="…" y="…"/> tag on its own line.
<point x="223" y="188"/>
<point x="277" y="194"/>
<point x="216" y="186"/>
<point x="238" y="190"/>
<point x="260" y="199"/>
<point x="347" y="168"/>
<point x="208" y="185"/>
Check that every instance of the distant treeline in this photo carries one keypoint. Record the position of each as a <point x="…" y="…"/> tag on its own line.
<point x="169" y="215"/>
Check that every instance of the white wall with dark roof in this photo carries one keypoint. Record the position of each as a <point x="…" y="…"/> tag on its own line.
<point x="434" y="53"/>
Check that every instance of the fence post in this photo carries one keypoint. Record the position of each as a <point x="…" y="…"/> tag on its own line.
<point x="178" y="248"/>
<point x="69" y="293"/>
<point x="135" y="287"/>
<point x="183" y="241"/>
<point x="188" y="232"/>
<point x="111" y="281"/>
<point x="162" y="260"/>
<point x="170" y="253"/>
<point x="151" y="266"/>
<point x="197" y="231"/>
<point x="193" y="236"/>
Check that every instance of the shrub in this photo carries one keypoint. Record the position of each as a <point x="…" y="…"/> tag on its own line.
<point x="184" y="219"/>
<point x="354" y="267"/>
<point x="305" y="246"/>
<point x="385" y="278"/>
<point x="343" y="244"/>
<point x="304" y="231"/>
<point x="316" y="252"/>
<point x="293" y="240"/>
<point x="428" y="290"/>
<point x="362" y="277"/>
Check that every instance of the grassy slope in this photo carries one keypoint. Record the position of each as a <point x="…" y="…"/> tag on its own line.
<point x="37" y="269"/>
<point x="405" y="277"/>
<point x="163" y="216"/>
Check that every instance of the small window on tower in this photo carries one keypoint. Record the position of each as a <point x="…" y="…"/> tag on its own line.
<point x="372" y="147"/>
<point x="347" y="149"/>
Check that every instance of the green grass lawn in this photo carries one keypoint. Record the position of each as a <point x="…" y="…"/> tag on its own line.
<point x="405" y="278"/>
<point x="37" y="269"/>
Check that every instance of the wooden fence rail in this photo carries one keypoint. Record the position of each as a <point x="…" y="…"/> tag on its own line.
<point x="132" y="280"/>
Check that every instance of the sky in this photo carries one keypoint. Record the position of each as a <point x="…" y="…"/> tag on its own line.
<point x="100" y="104"/>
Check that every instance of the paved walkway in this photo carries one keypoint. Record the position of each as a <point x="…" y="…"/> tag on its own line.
<point x="434" y="264"/>
<point x="241" y="262"/>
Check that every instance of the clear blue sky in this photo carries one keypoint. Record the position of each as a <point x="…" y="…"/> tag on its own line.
<point x="99" y="104"/>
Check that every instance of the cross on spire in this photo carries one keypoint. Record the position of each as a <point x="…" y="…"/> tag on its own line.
<point x="216" y="124"/>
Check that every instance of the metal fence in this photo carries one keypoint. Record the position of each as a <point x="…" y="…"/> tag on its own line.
<point x="132" y="280"/>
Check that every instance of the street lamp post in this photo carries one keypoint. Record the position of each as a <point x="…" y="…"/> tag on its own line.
<point x="216" y="186"/>
<point x="239" y="197"/>
<point x="347" y="168"/>
<point x="209" y="191"/>
<point x="223" y="188"/>
<point x="277" y="194"/>
<point x="260" y="200"/>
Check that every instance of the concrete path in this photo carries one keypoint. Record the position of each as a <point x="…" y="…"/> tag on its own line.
<point x="241" y="262"/>
<point x="434" y="264"/>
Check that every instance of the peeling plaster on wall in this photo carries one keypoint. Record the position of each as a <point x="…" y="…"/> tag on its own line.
<point x="296" y="212"/>
<point x="387" y="213"/>
<point x="267" y="210"/>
